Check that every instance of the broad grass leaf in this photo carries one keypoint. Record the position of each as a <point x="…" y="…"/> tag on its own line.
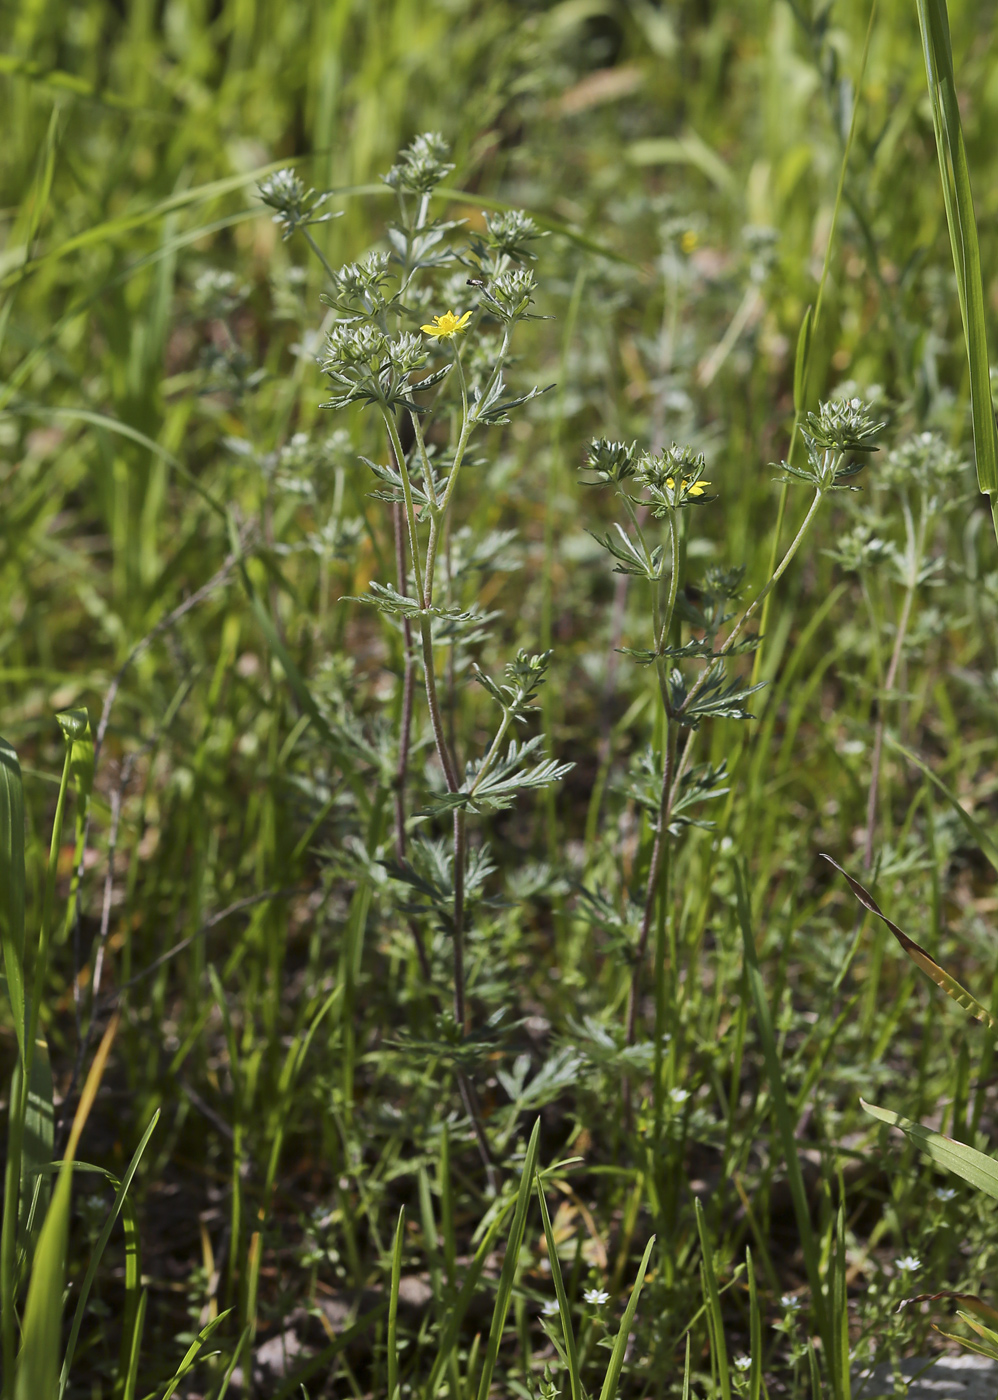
<point x="38" y="1360"/>
<point x="971" y="1303"/>
<point x="922" y="960"/>
<point x="965" y="1162"/>
<point x="37" y="1147"/>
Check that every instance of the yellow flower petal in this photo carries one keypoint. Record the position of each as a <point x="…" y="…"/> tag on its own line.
<point x="447" y="325"/>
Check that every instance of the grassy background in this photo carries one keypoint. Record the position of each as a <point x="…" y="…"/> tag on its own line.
<point x="133" y="135"/>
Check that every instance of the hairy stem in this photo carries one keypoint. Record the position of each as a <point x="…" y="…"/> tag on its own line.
<point x="410" y="509"/>
<point x="916" y="548"/>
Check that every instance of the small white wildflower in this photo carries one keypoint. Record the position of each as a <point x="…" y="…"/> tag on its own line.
<point x="679" y="1095"/>
<point x="596" y="1297"/>
<point x="743" y="1362"/>
<point x="550" y="1308"/>
<point x="790" y="1302"/>
<point x="908" y="1264"/>
<point x="945" y="1193"/>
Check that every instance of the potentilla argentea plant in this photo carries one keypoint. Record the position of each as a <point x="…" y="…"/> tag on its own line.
<point x="422" y="339"/>
<point x="695" y="636"/>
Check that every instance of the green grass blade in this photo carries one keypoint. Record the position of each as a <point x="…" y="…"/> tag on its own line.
<point x="922" y="960"/>
<point x="37" y="1145"/>
<point x="12" y="884"/>
<point x="801" y="361"/>
<point x="755" y="1332"/>
<point x="510" y="1263"/>
<point x="134" y="1348"/>
<point x="965" y="1162"/>
<point x="98" y="1252"/>
<point x="712" y="1302"/>
<point x="193" y="1352"/>
<point x="985" y="843"/>
<point x="38" y="1360"/>
<point x="456" y="1313"/>
<point x="933" y="20"/>
<point x="568" y="1331"/>
<point x="393" y="1306"/>
<point x="612" y="1379"/>
<point x="781" y="1107"/>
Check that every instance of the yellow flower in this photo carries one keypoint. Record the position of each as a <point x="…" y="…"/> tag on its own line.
<point x="689" y="241"/>
<point x="447" y="326"/>
<point x="697" y="488"/>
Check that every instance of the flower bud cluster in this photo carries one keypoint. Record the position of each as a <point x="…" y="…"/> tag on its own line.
<point x="421" y="166"/>
<point x="296" y="205"/>
<point x="612" y="462"/>
<point x="509" y="295"/>
<point x="673" y="479"/>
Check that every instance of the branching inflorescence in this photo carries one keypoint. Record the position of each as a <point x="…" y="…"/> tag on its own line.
<point x="422" y="337"/>
<point x="663" y="485"/>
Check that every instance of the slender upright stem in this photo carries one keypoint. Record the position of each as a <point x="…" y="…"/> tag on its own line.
<point x="460" y="856"/>
<point x="433" y="703"/>
<point x="319" y="254"/>
<point x="654" y="872"/>
<point x="410" y="509"/>
<point x="916" y="546"/>
<point x="739" y="626"/>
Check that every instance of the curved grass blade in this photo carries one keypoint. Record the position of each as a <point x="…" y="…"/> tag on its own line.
<point x="971" y="1303"/>
<point x="12" y="884"/>
<point x="612" y="1379"/>
<point x="38" y="1360"/>
<point x="102" y="1239"/>
<point x="393" y="1306"/>
<point x="455" y="1318"/>
<point x="132" y="1346"/>
<point x="933" y="21"/>
<point x="956" y="1157"/>
<point x="62" y="82"/>
<point x="568" y="1331"/>
<point x="712" y="1304"/>
<point x="785" y="1121"/>
<point x="510" y="1263"/>
<point x="36" y="1147"/>
<point x="192" y="1354"/>
<point x="986" y="845"/>
<point x="922" y="960"/>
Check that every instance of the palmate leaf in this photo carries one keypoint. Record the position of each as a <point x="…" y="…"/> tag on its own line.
<point x="714" y="699"/>
<point x="623" y="925"/>
<point x="393" y="477"/>
<point x="700" y="784"/>
<point x="630" y="557"/>
<point x="699" y="647"/>
<point x="508" y="777"/>
<point x="388" y="599"/>
<point x="491" y="408"/>
<point x="922" y="960"/>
